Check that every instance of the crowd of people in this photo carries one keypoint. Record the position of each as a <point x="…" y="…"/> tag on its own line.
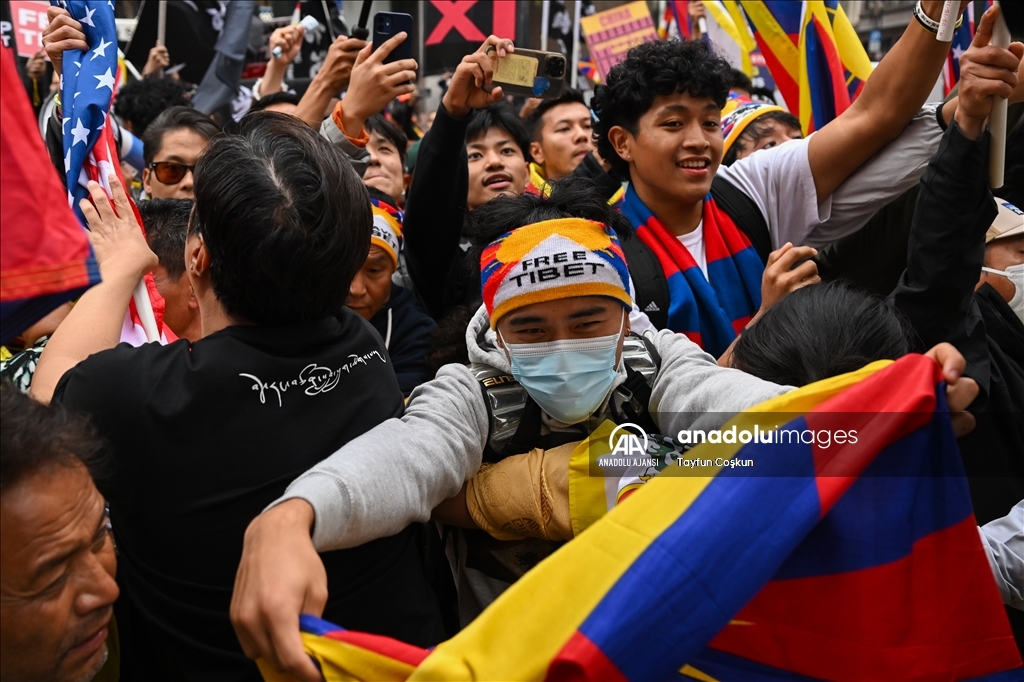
<point x="385" y="344"/>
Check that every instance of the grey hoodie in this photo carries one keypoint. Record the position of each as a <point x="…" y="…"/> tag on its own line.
<point x="396" y="473"/>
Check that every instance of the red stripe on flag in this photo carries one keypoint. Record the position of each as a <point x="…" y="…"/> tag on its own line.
<point x="385" y="646"/>
<point x="878" y="418"/>
<point x="885" y="622"/>
<point x="580" y="660"/>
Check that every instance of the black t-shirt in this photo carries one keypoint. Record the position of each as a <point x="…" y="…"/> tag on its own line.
<point x="204" y="437"/>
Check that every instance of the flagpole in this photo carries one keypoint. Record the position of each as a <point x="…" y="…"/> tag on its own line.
<point x="144" y="307"/>
<point x="161" y="22"/>
<point x="545" y="19"/>
<point x="575" y="66"/>
<point x="421" y="45"/>
<point x="997" y="118"/>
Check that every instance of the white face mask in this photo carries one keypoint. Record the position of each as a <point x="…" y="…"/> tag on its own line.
<point x="1014" y="273"/>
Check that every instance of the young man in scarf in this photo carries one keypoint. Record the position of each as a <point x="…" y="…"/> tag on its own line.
<point x="660" y="124"/>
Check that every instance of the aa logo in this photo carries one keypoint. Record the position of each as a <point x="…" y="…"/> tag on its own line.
<point x="624" y="440"/>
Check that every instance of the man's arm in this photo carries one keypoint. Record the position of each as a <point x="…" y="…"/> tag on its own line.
<point x="954" y="210"/>
<point x="94" y="324"/>
<point x="890" y="98"/>
<point x="436" y="202"/>
<point x="376" y="485"/>
<point x="330" y="80"/>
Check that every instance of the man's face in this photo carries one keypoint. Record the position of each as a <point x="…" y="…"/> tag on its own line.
<point x="371" y="287"/>
<point x="778" y="133"/>
<point x="385" y="171"/>
<point x="676" y="151"/>
<point x="576" y="317"/>
<point x="182" y="310"/>
<point x="496" y="166"/>
<point x="57" y="586"/>
<point x="180" y="146"/>
<point x="999" y="255"/>
<point x="566" y="137"/>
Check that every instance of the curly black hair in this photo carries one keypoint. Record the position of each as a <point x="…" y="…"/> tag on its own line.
<point x="571" y="197"/>
<point x="652" y="70"/>
<point x="140" y="102"/>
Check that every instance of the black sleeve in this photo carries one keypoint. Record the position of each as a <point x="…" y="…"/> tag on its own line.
<point x="946" y="250"/>
<point x="410" y="356"/>
<point x="591" y="168"/>
<point x="435" y="210"/>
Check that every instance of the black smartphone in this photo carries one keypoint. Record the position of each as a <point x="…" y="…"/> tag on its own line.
<point x="530" y="73"/>
<point x="385" y="26"/>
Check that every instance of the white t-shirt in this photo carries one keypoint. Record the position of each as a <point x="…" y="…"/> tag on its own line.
<point x="694" y="243"/>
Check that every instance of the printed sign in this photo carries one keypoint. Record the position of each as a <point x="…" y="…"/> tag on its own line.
<point x="611" y="34"/>
<point x="28" y="21"/>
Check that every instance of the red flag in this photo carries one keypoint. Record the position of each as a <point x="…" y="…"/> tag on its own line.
<point x="46" y="258"/>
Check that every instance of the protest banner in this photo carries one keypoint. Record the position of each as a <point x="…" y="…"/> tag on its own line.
<point x="28" y="21"/>
<point x="610" y="34"/>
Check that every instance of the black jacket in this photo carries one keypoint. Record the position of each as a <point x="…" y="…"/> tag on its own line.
<point x="406" y="330"/>
<point x="946" y="250"/>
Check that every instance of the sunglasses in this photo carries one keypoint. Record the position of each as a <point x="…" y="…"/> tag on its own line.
<point x="170" y="172"/>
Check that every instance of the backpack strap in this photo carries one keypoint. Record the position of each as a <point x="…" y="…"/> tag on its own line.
<point x="649" y="283"/>
<point x="527" y="436"/>
<point x="744" y="213"/>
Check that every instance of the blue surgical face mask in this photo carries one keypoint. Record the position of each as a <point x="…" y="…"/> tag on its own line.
<point x="569" y="379"/>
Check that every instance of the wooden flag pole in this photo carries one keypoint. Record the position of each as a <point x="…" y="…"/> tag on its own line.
<point x="997" y="119"/>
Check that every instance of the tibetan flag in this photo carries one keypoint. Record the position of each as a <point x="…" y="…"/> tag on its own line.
<point x="46" y="258"/>
<point x="814" y="55"/>
<point x="88" y="84"/>
<point x="961" y="41"/>
<point x="731" y="40"/>
<point x="681" y="13"/>
<point x="852" y="558"/>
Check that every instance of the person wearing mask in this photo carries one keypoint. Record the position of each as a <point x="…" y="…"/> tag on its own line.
<point x="57" y="587"/>
<point x="197" y="430"/>
<point x="555" y="320"/>
<point x="391" y="309"/>
<point x="166" y="225"/>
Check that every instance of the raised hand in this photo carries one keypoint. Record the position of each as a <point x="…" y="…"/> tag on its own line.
<point x="468" y="87"/>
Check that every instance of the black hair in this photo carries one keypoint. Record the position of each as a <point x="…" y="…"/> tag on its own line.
<point x="571" y="197"/>
<point x="448" y="338"/>
<point x="390" y="132"/>
<point x="140" y="102"/>
<point x="535" y="121"/>
<point x="499" y="115"/>
<point x="166" y="224"/>
<point x="285" y="218"/>
<point x="739" y="80"/>
<point x="34" y="437"/>
<point x="651" y="70"/>
<point x="272" y="99"/>
<point x="173" y="119"/>
<point x="819" y="331"/>
<point x="756" y="131"/>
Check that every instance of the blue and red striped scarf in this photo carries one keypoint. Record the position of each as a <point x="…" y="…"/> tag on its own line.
<point x="709" y="314"/>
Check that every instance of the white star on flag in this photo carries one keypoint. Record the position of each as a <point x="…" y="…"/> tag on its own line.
<point x="957" y="52"/>
<point x="80" y="132"/>
<point x="106" y="80"/>
<point x="87" y="19"/>
<point x="101" y="49"/>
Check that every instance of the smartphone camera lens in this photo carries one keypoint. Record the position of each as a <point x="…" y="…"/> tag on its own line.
<point x="555" y="68"/>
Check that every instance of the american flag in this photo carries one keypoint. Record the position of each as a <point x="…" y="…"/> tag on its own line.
<point x="961" y="41"/>
<point x="88" y="84"/>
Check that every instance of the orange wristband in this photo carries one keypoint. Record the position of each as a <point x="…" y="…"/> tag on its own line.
<point x="339" y="116"/>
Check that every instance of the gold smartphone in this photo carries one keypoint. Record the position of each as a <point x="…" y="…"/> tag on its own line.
<point x="530" y="73"/>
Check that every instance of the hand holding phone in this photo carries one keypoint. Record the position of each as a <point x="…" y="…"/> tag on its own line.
<point x="387" y="25"/>
<point x="530" y="73"/>
<point x="470" y="86"/>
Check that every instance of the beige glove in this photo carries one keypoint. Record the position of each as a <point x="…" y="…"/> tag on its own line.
<point x="524" y="496"/>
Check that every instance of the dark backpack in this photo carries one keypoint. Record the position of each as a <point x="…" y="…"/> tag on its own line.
<point x="648" y="277"/>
